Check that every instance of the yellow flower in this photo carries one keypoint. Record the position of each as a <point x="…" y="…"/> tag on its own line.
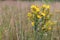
<point x="32" y="23"/>
<point x="38" y="16"/>
<point x="49" y="23"/>
<point x="44" y="6"/>
<point x="49" y="28"/>
<point x="29" y="14"/>
<point x="48" y="6"/>
<point x="43" y="14"/>
<point x="35" y="8"/>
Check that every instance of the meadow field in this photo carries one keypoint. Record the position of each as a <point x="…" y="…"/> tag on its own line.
<point x="14" y="23"/>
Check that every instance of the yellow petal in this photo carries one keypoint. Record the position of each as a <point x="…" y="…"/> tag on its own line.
<point x="48" y="6"/>
<point x="32" y="23"/>
<point x="33" y="6"/>
<point x="29" y="14"/>
<point x="44" y="5"/>
<point x="43" y="14"/>
<point x="37" y="9"/>
<point x="38" y="16"/>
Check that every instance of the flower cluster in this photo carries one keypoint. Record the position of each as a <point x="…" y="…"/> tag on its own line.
<point x="40" y="17"/>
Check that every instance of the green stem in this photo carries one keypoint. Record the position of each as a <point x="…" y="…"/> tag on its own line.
<point x="41" y="36"/>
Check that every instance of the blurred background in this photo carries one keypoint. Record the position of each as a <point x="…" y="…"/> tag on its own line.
<point x="26" y="0"/>
<point x="14" y="24"/>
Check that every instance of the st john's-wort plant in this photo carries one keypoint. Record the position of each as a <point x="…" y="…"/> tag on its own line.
<point x="41" y="22"/>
